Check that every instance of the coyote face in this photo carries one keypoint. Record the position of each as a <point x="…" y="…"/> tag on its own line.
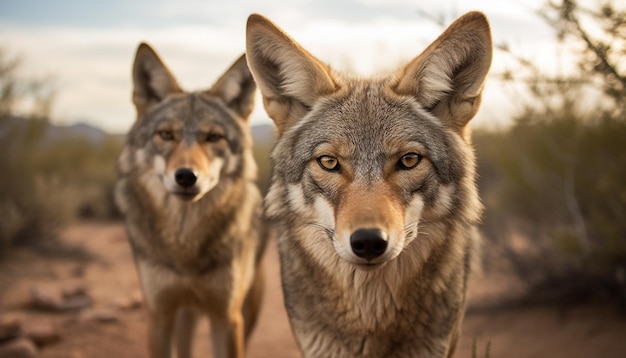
<point x="190" y="156"/>
<point x="366" y="184"/>
<point x="365" y="161"/>
<point x="189" y="140"/>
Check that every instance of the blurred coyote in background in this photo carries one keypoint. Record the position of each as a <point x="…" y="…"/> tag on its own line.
<point x="374" y="192"/>
<point x="193" y="212"/>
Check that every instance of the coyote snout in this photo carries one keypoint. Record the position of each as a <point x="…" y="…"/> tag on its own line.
<point x="189" y="173"/>
<point x="370" y="225"/>
<point x="190" y="184"/>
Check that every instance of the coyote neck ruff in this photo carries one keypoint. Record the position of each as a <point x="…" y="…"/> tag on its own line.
<point x="373" y="190"/>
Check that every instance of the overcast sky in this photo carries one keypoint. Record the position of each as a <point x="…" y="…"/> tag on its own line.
<point x="88" y="46"/>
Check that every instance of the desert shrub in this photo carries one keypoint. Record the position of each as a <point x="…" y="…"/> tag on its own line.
<point x="49" y="183"/>
<point x="554" y="183"/>
<point x="555" y="196"/>
<point x="46" y="185"/>
<point x="47" y="179"/>
<point x="86" y="170"/>
<point x="22" y="206"/>
<point x="264" y="138"/>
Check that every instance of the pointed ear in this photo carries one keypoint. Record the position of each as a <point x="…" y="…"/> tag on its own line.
<point x="291" y="80"/>
<point x="448" y="77"/>
<point x="152" y="80"/>
<point x="236" y="88"/>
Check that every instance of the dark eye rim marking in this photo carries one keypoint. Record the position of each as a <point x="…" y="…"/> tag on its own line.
<point x="214" y="137"/>
<point x="409" y="161"/>
<point x="333" y="167"/>
<point x="166" y="134"/>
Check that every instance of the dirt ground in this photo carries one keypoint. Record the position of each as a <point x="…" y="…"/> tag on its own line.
<point x="114" y="326"/>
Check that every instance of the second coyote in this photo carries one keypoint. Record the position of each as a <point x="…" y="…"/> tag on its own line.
<point x="193" y="212"/>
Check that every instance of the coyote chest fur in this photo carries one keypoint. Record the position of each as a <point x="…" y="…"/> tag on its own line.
<point x="193" y="212"/>
<point x="373" y="189"/>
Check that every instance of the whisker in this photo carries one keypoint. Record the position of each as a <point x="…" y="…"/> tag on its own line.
<point x="328" y="231"/>
<point x="419" y="229"/>
<point x="411" y="229"/>
<point x="423" y="233"/>
<point x="410" y="226"/>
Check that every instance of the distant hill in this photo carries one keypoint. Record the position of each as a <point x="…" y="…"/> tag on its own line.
<point x="52" y="133"/>
<point x="83" y="130"/>
<point x="263" y="135"/>
<point x="45" y="135"/>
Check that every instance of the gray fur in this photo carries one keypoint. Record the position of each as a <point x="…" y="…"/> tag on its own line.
<point x="410" y="304"/>
<point x="202" y="254"/>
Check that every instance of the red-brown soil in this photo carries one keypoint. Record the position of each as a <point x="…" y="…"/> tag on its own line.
<point x="109" y="278"/>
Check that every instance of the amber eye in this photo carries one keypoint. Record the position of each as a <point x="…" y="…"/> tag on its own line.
<point x="409" y="161"/>
<point x="328" y="163"/>
<point x="166" y="134"/>
<point x="214" y="137"/>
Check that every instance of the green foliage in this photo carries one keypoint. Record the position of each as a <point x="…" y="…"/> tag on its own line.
<point x="595" y="33"/>
<point x="554" y="183"/>
<point x="21" y="208"/>
<point x="598" y="32"/>
<point x="262" y="152"/>
<point x="46" y="182"/>
<point x="475" y="350"/>
<point x="49" y="184"/>
<point x="560" y="181"/>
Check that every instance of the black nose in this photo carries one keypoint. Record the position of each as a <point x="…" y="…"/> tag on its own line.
<point x="185" y="177"/>
<point x="368" y="243"/>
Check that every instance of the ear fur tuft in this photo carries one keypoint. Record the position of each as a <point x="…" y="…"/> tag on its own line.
<point x="152" y="80"/>
<point x="291" y="80"/>
<point x="236" y="88"/>
<point x="448" y="77"/>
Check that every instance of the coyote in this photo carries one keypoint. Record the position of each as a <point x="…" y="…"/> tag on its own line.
<point x="193" y="212"/>
<point x="373" y="192"/>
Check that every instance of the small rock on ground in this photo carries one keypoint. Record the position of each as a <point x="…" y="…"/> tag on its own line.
<point x="18" y="348"/>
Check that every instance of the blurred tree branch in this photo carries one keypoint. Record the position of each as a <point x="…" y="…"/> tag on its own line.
<point x="557" y="174"/>
<point x="32" y="98"/>
<point x="599" y="56"/>
<point x="8" y="82"/>
<point x="599" y="38"/>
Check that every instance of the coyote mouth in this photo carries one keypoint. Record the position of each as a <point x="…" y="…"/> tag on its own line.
<point x="186" y="195"/>
<point x="370" y="266"/>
